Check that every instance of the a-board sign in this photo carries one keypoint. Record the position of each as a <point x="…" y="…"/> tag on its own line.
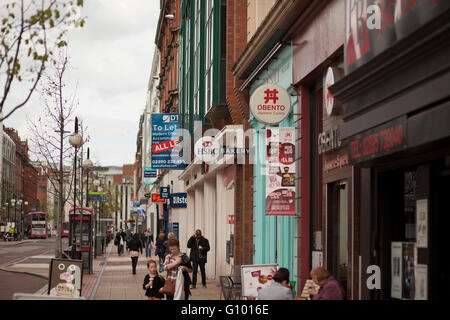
<point x="65" y="278"/>
<point x="255" y="277"/>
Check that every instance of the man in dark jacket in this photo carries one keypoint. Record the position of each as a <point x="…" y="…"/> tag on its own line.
<point x="119" y="235"/>
<point x="199" y="246"/>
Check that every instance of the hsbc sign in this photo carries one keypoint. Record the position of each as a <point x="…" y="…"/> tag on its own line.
<point x="270" y="104"/>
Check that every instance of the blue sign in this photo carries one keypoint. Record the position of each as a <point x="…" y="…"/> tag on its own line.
<point x="178" y="200"/>
<point x="164" y="192"/>
<point x="150" y="173"/>
<point x="166" y="143"/>
<point x="176" y="229"/>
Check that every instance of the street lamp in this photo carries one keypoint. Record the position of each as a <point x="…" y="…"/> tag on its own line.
<point x="76" y="140"/>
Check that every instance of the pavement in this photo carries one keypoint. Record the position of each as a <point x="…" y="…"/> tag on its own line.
<point x="112" y="277"/>
<point x="118" y="283"/>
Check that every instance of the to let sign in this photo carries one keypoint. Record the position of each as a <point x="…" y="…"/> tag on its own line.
<point x="378" y="141"/>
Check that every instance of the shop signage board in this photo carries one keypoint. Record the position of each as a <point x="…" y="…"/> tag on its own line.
<point x="97" y="196"/>
<point x="379" y="141"/>
<point x="176" y="230"/>
<point x="166" y="142"/>
<point x="65" y="278"/>
<point x="256" y="277"/>
<point x="150" y="176"/>
<point x="331" y="105"/>
<point x="270" y="104"/>
<point x="178" y="200"/>
<point x="422" y="223"/>
<point x="398" y="20"/>
<point x="280" y="171"/>
<point x="157" y="199"/>
<point x="164" y="192"/>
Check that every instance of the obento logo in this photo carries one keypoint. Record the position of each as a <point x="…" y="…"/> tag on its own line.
<point x="207" y="150"/>
<point x="270" y="104"/>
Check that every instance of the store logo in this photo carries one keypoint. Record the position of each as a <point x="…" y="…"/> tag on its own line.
<point x="207" y="150"/>
<point x="271" y="95"/>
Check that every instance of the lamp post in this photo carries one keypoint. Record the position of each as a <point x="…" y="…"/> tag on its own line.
<point x="87" y="165"/>
<point x="76" y="140"/>
<point x="96" y="184"/>
<point x="22" y="234"/>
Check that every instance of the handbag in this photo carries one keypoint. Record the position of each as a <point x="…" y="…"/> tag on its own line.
<point x="169" y="288"/>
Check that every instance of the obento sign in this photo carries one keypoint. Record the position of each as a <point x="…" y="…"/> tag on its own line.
<point x="270" y="104"/>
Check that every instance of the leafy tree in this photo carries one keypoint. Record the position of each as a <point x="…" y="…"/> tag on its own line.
<point x="31" y="31"/>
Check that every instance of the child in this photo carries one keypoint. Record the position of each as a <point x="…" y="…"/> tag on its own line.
<point x="153" y="282"/>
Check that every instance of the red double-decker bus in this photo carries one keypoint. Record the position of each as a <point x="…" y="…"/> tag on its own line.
<point x="65" y="229"/>
<point x="35" y="225"/>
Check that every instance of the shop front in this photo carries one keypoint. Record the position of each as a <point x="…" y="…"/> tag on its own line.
<point x="396" y="100"/>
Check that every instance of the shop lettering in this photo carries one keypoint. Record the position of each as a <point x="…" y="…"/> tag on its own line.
<point x="165" y="146"/>
<point x="271" y="107"/>
<point x="166" y="127"/>
<point x="178" y="200"/>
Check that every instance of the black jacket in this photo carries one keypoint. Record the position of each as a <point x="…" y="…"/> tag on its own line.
<point x="135" y="244"/>
<point x="197" y="254"/>
<point x="118" y="235"/>
<point x="160" y="247"/>
<point x="158" y="283"/>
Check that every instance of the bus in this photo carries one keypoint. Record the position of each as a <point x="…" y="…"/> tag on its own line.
<point x="35" y="225"/>
<point x="65" y="229"/>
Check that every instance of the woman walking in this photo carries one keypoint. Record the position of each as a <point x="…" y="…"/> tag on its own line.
<point x="175" y="262"/>
<point x="134" y="247"/>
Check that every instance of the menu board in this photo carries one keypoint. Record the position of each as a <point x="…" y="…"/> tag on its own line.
<point x="65" y="278"/>
<point x="256" y="277"/>
<point x="280" y="171"/>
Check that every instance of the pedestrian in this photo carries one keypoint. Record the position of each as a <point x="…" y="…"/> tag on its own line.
<point x="330" y="288"/>
<point x="134" y="247"/>
<point x="159" y="251"/>
<point x="199" y="246"/>
<point x="128" y="237"/>
<point x="119" y="241"/>
<point x="279" y="289"/>
<point x="166" y="244"/>
<point x="153" y="282"/>
<point x="175" y="262"/>
<point x="148" y="239"/>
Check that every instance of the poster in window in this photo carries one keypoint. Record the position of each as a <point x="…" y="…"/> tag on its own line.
<point x="422" y="223"/>
<point x="280" y="171"/>
<point x="396" y="267"/>
<point x="256" y="277"/>
<point x="408" y="264"/>
<point x="421" y="275"/>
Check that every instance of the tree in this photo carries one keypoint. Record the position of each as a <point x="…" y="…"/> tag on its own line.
<point x="49" y="139"/>
<point x="31" y="31"/>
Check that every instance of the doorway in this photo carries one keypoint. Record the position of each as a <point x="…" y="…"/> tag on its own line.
<point x="337" y="231"/>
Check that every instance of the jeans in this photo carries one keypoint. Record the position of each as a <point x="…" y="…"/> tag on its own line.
<point x="195" y="266"/>
<point x="119" y="249"/>
<point x="161" y="264"/>
<point x="134" y="261"/>
<point x="148" y="248"/>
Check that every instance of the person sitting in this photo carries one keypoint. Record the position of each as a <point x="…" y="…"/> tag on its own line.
<point x="330" y="288"/>
<point x="279" y="290"/>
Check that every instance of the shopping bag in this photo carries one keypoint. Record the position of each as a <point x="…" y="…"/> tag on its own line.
<point x="179" y="287"/>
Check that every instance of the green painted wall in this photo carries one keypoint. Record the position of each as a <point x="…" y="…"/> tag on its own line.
<point x="267" y="239"/>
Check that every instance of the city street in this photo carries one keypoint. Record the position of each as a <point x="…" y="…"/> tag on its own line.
<point x="27" y="262"/>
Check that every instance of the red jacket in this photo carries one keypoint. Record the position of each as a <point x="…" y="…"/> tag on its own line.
<point x="330" y="290"/>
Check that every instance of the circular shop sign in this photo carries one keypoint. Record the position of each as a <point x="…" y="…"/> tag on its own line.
<point x="207" y="150"/>
<point x="270" y="104"/>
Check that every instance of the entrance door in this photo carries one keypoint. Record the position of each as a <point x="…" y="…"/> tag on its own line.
<point x="337" y="226"/>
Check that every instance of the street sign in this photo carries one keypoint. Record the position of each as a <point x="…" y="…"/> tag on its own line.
<point x="97" y="196"/>
<point x="148" y="195"/>
<point x="164" y="192"/>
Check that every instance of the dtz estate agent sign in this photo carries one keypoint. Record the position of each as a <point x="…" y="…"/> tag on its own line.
<point x="270" y="104"/>
<point x="166" y="142"/>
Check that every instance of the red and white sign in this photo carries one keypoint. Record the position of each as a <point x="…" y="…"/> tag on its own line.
<point x="270" y="104"/>
<point x="165" y="146"/>
<point x="207" y="149"/>
<point x="333" y="75"/>
<point x="231" y="219"/>
<point x="156" y="198"/>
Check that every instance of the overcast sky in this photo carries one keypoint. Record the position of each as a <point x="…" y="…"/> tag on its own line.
<point x="111" y="60"/>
